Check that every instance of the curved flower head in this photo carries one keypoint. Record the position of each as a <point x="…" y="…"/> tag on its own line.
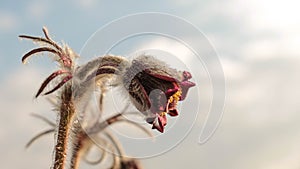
<point x="155" y="89"/>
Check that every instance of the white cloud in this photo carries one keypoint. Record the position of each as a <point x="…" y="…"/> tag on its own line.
<point x="8" y="21"/>
<point x="268" y="48"/>
<point x="17" y="127"/>
<point x="86" y="4"/>
<point x="259" y="53"/>
<point x="17" y="91"/>
<point x="233" y="70"/>
<point x="273" y="15"/>
<point x="261" y="49"/>
<point x="291" y="160"/>
<point x="167" y="50"/>
<point x="38" y="10"/>
<point x="268" y="28"/>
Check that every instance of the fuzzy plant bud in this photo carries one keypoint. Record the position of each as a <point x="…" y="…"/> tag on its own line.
<point x="155" y="89"/>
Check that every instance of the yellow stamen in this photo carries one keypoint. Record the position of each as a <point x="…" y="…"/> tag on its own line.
<point x="163" y="114"/>
<point x="175" y="97"/>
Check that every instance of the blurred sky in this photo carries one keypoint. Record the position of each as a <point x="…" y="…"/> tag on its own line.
<point x="257" y="42"/>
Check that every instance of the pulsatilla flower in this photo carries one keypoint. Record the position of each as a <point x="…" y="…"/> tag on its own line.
<point x="155" y="89"/>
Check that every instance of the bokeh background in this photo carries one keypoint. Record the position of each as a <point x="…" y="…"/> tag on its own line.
<point x="258" y="45"/>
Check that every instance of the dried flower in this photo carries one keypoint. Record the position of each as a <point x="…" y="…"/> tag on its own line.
<point x="155" y="89"/>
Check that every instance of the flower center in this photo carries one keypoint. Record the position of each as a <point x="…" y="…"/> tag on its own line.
<point x="162" y="114"/>
<point x="175" y="97"/>
<point x="173" y="100"/>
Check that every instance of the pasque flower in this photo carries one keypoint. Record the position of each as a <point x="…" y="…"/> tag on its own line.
<point x="155" y="89"/>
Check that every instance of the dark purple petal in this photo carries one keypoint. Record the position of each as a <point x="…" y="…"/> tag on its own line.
<point x="160" y="76"/>
<point x="170" y="92"/>
<point x="163" y="86"/>
<point x="185" y="85"/>
<point x="186" y="75"/>
<point x="158" y="101"/>
<point x="173" y="112"/>
<point x="159" y="123"/>
<point x="150" y="120"/>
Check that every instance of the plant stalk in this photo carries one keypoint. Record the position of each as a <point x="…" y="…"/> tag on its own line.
<point x="67" y="113"/>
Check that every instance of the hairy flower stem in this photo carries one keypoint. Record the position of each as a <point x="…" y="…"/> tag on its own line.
<point x="81" y="137"/>
<point x="67" y="113"/>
